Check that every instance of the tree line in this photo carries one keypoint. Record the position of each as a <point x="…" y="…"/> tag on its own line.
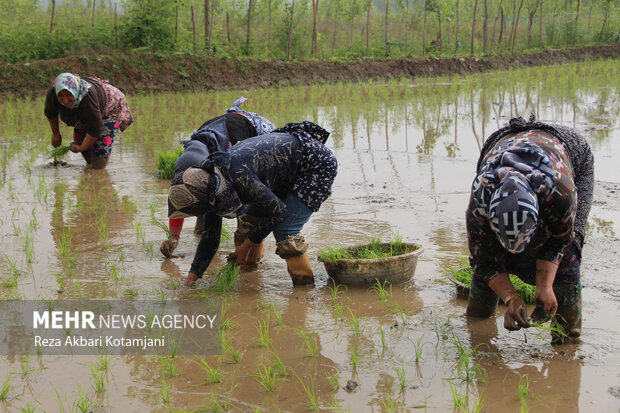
<point x="302" y="29"/>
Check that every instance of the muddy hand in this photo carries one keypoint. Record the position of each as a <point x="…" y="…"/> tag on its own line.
<point x="167" y="248"/>
<point x="516" y="314"/>
<point x="540" y="315"/>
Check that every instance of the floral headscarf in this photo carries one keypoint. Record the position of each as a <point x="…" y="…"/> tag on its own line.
<point x="76" y="86"/>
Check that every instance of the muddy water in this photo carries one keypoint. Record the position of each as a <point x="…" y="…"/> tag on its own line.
<point x="407" y="153"/>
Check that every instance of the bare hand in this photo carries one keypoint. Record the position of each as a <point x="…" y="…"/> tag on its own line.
<point x="75" y="148"/>
<point x="516" y="314"/>
<point x="546" y="304"/>
<point x="191" y="279"/>
<point x="242" y="251"/>
<point x="166" y="247"/>
<point x="56" y="139"/>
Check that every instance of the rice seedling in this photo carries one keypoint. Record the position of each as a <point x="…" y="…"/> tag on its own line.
<point x="457" y="398"/>
<point x="375" y="249"/>
<point x="334" y="381"/>
<point x="523" y="391"/>
<point x="161" y="225"/>
<point x="27" y="409"/>
<point x="83" y="403"/>
<point x="401" y="375"/>
<point x="166" y="161"/>
<point x="337" y="291"/>
<point x="398" y="310"/>
<point x="263" y="333"/>
<point x="311" y="344"/>
<point x="169" y="366"/>
<point x="339" y="309"/>
<point x="13" y="270"/>
<point x="226" y="278"/>
<point x="6" y="387"/>
<point x="354" y="358"/>
<point x="10" y="282"/>
<point x="102" y="362"/>
<point x="278" y="317"/>
<point x="140" y="231"/>
<point x="313" y="400"/>
<point x="112" y="270"/>
<point x="467" y="367"/>
<point x="418" y="345"/>
<point x="227" y="344"/>
<point x="382" y="337"/>
<point x="267" y="377"/>
<point x="215" y="404"/>
<point x="164" y="392"/>
<point x="389" y="405"/>
<point x="382" y="291"/>
<point x="213" y="374"/>
<point x="98" y="380"/>
<point x="278" y="365"/>
<point x="57" y="153"/>
<point x="555" y="328"/>
<point x="354" y="323"/>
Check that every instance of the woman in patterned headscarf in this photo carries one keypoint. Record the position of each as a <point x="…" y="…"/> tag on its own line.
<point x="279" y="179"/>
<point x="527" y="215"/>
<point x="96" y="110"/>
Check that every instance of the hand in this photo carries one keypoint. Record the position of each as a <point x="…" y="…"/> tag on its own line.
<point x="75" y="148"/>
<point x="242" y="251"/>
<point x="166" y="247"/>
<point x="191" y="279"/>
<point x="56" y="139"/>
<point x="516" y="314"/>
<point x="546" y="304"/>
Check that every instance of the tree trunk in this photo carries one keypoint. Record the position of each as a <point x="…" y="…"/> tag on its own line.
<point x="176" y="22"/>
<point x="509" y="37"/>
<point x="49" y="40"/>
<point x="439" y="37"/>
<point x="540" y="24"/>
<point x="368" y="29"/>
<point x="207" y="24"/>
<point x="501" y="27"/>
<point x="92" y="20"/>
<point x="387" y="13"/>
<point x="577" y="16"/>
<point x="514" y="36"/>
<point x="351" y="29"/>
<point x="248" y="32"/>
<point x="194" y="28"/>
<point x="268" y="32"/>
<point x="406" y="25"/>
<point x="290" y="32"/>
<point x="531" y="15"/>
<point x="228" y="29"/>
<point x="473" y="27"/>
<point x="115" y="28"/>
<point x="424" y="29"/>
<point x="495" y="23"/>
<point x="456" y="35"/>
<point x="600" y="36"/>
<point x="485" y="23"/>
<point x="315" y="12"/>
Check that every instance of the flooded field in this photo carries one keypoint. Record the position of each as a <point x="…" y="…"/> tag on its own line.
<point x="407" y="153"/>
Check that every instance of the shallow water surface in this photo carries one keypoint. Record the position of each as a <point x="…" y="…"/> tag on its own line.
<point x="407" y="153"/>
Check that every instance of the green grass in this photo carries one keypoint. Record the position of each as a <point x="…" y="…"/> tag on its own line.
<point x="464" y="273"/>
<point x="166" y="161"/>
<point x="226" y="278"/>
<point x="375" y="249"/>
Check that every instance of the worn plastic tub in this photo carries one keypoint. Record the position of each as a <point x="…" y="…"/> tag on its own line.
<point x="395" y="269"/>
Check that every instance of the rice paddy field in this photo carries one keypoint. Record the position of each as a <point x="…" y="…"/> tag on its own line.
<point x="407" y="152"/>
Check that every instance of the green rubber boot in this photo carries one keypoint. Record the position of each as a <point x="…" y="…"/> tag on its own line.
<point x="568" y="315"/>
<point x="481" y="303"/>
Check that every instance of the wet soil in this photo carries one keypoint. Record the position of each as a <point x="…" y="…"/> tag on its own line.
<point x="136" y="72"/>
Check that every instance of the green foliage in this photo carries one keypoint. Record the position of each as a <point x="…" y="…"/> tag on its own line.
<point x="57" y="153"/>
<point x="376" y="249"/>
<point x="166" y="161"/>
<point x="226" y="278"/>
<point x="149" y="23"/>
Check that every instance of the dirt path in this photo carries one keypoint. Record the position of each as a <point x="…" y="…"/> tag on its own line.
<point x="137" y="72"/>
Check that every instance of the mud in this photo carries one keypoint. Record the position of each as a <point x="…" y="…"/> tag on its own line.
<point x="401" y="170"/>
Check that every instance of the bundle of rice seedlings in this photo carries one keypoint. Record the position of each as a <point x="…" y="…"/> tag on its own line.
<point x="166" y="161"/>
<point x="226" y="278"/>
<point x="57" y="153"/>
<point x="376" y="249"/>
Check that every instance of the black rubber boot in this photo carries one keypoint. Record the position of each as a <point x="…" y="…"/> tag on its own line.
<point x="481" y="303"/>
<point x="568" y="315"/>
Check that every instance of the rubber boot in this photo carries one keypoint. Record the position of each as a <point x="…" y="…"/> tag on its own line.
<point x="481" y="303"/>
<point x="568" y="315"/>
<point x="198" y="228"/>
<point x="299" y="269"/>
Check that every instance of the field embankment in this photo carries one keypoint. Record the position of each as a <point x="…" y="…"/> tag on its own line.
<point x="140" y="72"/>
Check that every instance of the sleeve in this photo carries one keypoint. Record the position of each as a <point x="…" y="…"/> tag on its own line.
<point x="487" y="256"/>
<point x="208" y="245"/>
<point x="261" y="197"/>
<point x="559" y="218"/>
<point x="584" y="181"/>
<point x="90" y="115"/>
<point x="50" y="107"/>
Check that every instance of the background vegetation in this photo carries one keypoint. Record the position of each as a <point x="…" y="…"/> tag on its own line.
<point x="301" y="29"/>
